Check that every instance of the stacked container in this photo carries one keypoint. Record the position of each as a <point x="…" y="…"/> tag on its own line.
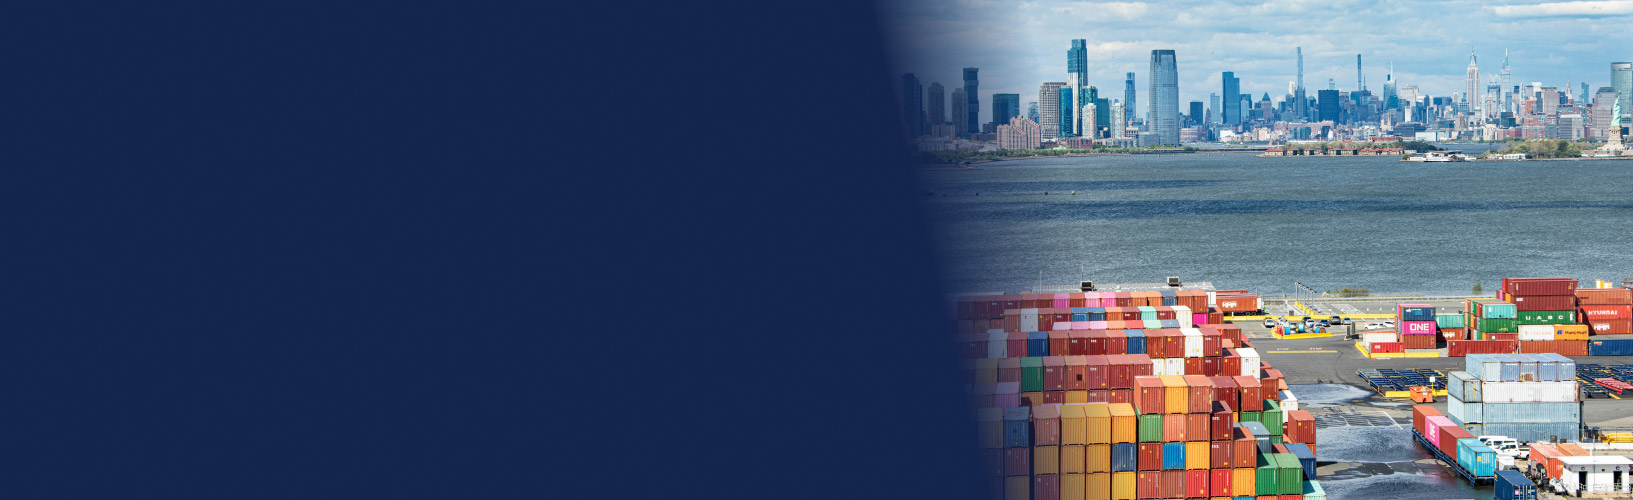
<point x="1529" y="397"/>
<point x="1606" y="311"/>
<point x="1417" y="324"/>
<point x="1450" y="325"/>
<point x="1484" y="317"/>
<point x="1541" y="301"/>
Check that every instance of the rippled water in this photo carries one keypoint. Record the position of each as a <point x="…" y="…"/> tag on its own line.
<point x="1385" y="460"/>
<point x="1241" y="221"/>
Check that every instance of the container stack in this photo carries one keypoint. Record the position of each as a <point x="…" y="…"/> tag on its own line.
<point x="1487" y="317"/>
<point x="1606" y="311"/>
<point x="1453" y="444"/>
<point x="979" y="314"/>
<point x="1238" y="302"/>
<point x="1541" y="301"/>
<point x="1451" y="326"/>
<point x="1528" y="397"/>
<point x="1158" y="413"/>
<point x="1417" y="325"/>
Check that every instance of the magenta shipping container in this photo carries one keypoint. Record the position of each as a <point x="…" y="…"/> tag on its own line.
<point x="1199" y="318"/>
<point x="1417" y="328"/>
<point x="1433" y="425"/>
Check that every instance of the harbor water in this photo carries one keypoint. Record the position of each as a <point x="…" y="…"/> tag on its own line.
<point x="1241" y="221"/>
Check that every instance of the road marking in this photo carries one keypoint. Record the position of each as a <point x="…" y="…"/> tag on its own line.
<point x="1611" y="394"/>
<point x="1302" y="352"/>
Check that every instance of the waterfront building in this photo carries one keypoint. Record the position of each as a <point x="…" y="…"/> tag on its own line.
<point x="1085" y="95"/>
<point x="1621" y="80"/>
<point x="1327" y="105"/>
<point x="1067" y="112"/>
<point x="1163" y="113"/>
<point x="1231" y="113"/>
<point x="1194" y="115"/>
<point x="1032" y="111"/>
<point x="1090" y="113"/>
<point x="972" y="95"/>
<point x="1128" y="98"/>
<point x="960" y="105"/>
<point x="937" y="106"/>
<point x="1603" y="101"/>
<point x="1117" y="125"/>
<point x="912" y="105"/>
<point x="1049" y="108"/>
<point x="1472" y="82"/>
<point x="1504" y="82"/>
<point x="1020" y="133"/>
<point x="1004" y="107"/>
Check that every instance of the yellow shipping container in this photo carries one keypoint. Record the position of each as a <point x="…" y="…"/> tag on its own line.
<point x="1125" y="423"/>
<point x="1097" y="457"/>
<point x="986" y="371"/>
<point x="1031" y="398"/>
<point x="1098" y="487"/>
<point x="1122" y="486"/>
<point x="1571" y="332"/>
<point x="1045" y="459"/>
<point x="1071" y="459"/>
<point x="1099" y="422"/>
<point x="1243" y="482"/>
<point x="1071" y="426"/>
<point x="1018" y="488"/>
<point x="990" y="427"/>
<point x="1071" y="486"/>
<point x="1196" y="454"/>
<point x="1081" y="397"/>
<point x="1175" y="395"/>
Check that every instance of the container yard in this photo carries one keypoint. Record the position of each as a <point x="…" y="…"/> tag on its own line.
<point x="1178" y="401"/>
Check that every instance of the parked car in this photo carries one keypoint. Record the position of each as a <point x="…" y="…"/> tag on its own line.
<point x="1269" y="323"/>
<point x="1336" y="320"/>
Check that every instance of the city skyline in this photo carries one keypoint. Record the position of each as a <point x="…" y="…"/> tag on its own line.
<point x="1019" y="46"/>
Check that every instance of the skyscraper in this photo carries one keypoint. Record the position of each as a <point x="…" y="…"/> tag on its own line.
<point x="1621" y="80"/>
<point x="1163" y="111"/>
<point x="1089" y="112"/>
<point x="1602" y="102"/>
<point x="1004" y="107"/>
<point x="1066" y="112"/>
<point x="1119" y="119"/>
<point x="1233" y="90"/>
<point x="1128" y="98"/>
<point x="1085" y="96"/>
<point x="1503" y="81"/>
<point x="1585" y="95"/>
<point x="972" y="94"/>
<point x="1103" y="115"/>
<point x="1196" y="113"/>
<point x="1360" y="83"/>
<point x="1077" y="63"/>
<point x="1300" y="106"/>
<point x="961" y="106"/>
<point x="1213" y="108"/>
<point x="1049" y="109"/>
<point x="912" y="105"/>
<point x="1471" y="84"/>
<point x="1327" y="105"/>
<point x="938" y="104"/>
<point x="1032" y="111"/>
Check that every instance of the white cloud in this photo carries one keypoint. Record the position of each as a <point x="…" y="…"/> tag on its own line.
<point x="1567" y="9"/>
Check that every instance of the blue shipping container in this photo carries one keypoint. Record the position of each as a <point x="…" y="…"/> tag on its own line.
<point x="1566" y="367"/>
<point x="1037" y="344"/>
<point x="1080" y="314"/>
<point x="1514" y="413"/>
<point x="1124" y="457"/>
<point x="1418" y="314"/>
<point x="1017" y="427"/>
<point x="1136" y="341"/>
<point x="1173" y="456"/>
<point x="1168" y="323"/>
<point x="1097" y="314"/>
<point x="1610" y="347"/>
<point x="1476" y="457"/>
<point x="1306" y="458"/>
<point x="1512" y="485"/>
<point x="1530" y="370"/>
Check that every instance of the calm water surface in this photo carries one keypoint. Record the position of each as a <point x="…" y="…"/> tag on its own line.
<point x="1241" y="221"/>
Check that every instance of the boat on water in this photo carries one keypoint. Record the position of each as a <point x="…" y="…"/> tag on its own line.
<point x="1436" y="156"/>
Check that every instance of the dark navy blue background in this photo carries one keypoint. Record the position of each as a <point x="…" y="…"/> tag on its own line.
<point x="411" y="250"/>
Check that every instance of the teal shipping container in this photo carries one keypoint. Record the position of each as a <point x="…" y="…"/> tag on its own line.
<point x="1313" y="491"/>
<point x="1449" y="320"/>
<point x="1271" y="417"/>
<point x="1476" y="457"/>
<point x="1148" y="313"/>
<point x="1498" y="310"/>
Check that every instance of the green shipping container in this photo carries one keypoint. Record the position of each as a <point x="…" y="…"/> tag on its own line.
<point x="1032" y="374"/>
<point x="1498" y="326"/>
<point x="1247" y="416"/>
<point x="1276" y="440"/>
<point x="1150" y="429"/>
<point x="1449" y="320"/>
<point x="1290" y="477"/>
<point x="1151" y="324"/>
<point x="1271" y="417"/>
<point x="1267" y="474"/>
<point x="1148" y="313"/>
<point x="1546" y="318"/>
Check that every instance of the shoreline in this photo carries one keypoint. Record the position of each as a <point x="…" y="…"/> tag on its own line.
<point x="948" y="166"/>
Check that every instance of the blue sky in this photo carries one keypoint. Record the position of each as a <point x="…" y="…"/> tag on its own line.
<point x="1019" y="45"/>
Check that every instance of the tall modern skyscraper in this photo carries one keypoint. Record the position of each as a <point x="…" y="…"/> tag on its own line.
<point x="1163" y="110"/>
<point x="1119" y="120"/>
<point x="972" y="93"/>
<point x="1128" y="98"/>
<point x="1585" y="95"/>
<point x="1300" y="106"/>
<point x="1327" y="105"/>
<point x="1471" y="84"/>
<point x="912" y="105"/>
<point x="1213" y="108"/>
<point x="1360" y="83"/>
<point x="1196" y="113"/>
<point x="1233" y="90"/>
<point x="1077" y="63"/>
<point x="1621" y="80"/>
<point x="938" y="104"/>
<point x="1004" y="107"/>
<point x="1032" y="111"/>
<point x="1067" y="112"/>
<point x="961" y="106"/>
<point x="1602" y="102"/>
<point x="1049" y="108"/>
<point x="1085" y="96"/>
<point x="1503" y="80"/>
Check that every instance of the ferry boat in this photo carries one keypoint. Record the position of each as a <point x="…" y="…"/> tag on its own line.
<point x="1436" y="156"/>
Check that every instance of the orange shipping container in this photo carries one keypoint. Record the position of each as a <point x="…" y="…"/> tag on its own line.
<point x="1243" y="482"/>
<point x="1604" y="296"/>
<point x="1562" y="347"/>
<point x="1175" y="394"/>
<point x="1098" y="422"/>
<point x="1173" y="427"/>
<point x="1125" y="426"/>
<point x="1196" y="455"/>
<point x="1072" y="459"/>
<point x="1072" y="486"/>
<point x="1072" y="422"/>
<point x="1098" y="487"/>
<point x="1079" y="397"/>
<point x="1097" y="457"/>
<point x="1046" y="460"/>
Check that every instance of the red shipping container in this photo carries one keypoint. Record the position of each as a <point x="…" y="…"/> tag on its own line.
<point x="1119" y="375"/>
<point x="1120" y="396"/>
<point x="1230" y="366"/>
<point x="1165" y="313"/>
<point x="1193" y="366"/>
<point x="1076" y="300"/>
<point x="1148" y="484"/>
<point x="1122" y="299"/>
<point x="1198" y="426"/>
<point x="1131" y="314"/>
<point x="1219" y="454"/>
<point x="1244" y="451"/>
<point x="1077" y="343"/>
<point x="972" y="346"/>
<point x="992" y="461"/>
<point x="1455" y="433"/>
<point x="1099" y="372"/>
<point x="1012" y="320"/>
<point x="1562" y="347"/>
<point x="1015" y="346"/>
<point x="1028" y="301"/>
<point x="1280" y="497"/>
<point x="1140" y="365"/>
<point x="1544" y="302"/>
<point x="1150" y="456"/>
<point x="1046" y="487"/>
<point x="1215" y="317"/>
<point x="1604" y="296"/>
<point x="1196" y="483"/>
<point x="1054" y="373"/>
<point x="998" y="324"/>
<point x="1046" y="321"/>
<point x="1077" y="373"/>
<point x="1116" y="342"/>
<point x="1300" y="428"/>
<point x="1099" y="396"/>
<point x="1419" y="341"/>
<point x="1046" y="425"/>
<point x="1199" y="393"/>
<point x="1017" y="461"/>
<point x="1420" y="413"/>
<point x="1148" y="393"/>
<point x="1060" y="342"/>
<point x="1539" y="286"/>
<point x="1219" y="482"/>
<point x="1097" y="342"/>
<point x="1220" y="422"/>
<point x="1210" y="367"/>
<point x="1611" y="326"/>
<point x="1453" y="333"/>
<point x="1386" y="347"/>
<point x="1174" y="428"/>
<point x="1054" y="397"/>
<point x="1173" y="484"/>
<point x="1211" y="345"/>
<point x="1461" y="348"/>
<point x="1224" y="390"/>
<point x="1156" y="343"/>
<point x="1502" y="336"/>
<point x="1599" y="312"/>
<point x="1249" y="390"/>
<point x="1061" y="315"/>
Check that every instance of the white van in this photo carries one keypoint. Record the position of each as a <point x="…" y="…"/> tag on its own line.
<point x="1506" y="446"/>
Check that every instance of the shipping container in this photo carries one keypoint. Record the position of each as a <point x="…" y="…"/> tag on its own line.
<point x="1073" y="485"/>
<point x="1536" y="332"/>
<point x="1046" y="487"/>
<point x="1219" y="482"/>
<point x="1539" y="286"/>
<point x="1150" y="456"/>
<point x="1300" y="427"/>
<point x="1369" y="338"/>
<point x="1073" y="459"/>
<point x="1611" y="326"/>
<point x="990" y="427"/>
<point x="1136" y="341"/>
<point x="1124" y="423"/>
<point x="1409" y="328"/>
<point x="1250" y="361"/>
<point x="1097" y="458"/>
<point x="1572" y="332"/>
<point x="1150" y="428"/>
<point x="1546" y="317"/>
<point x="1174" y="428"/>
<point x="1125" y="457"/>
<point x="1496" y="309"/>
<point x="1268" y="472"/>
<point x="1244" y="448"/>
<point x="1196" y="483"/>
<point x="1219" y="454"/>
<point x="1512" y="485"/>
<point x="1564" y="347"/>
<point x="1018" y="488"/>
<point x="1443" y="320"/>
<point x="1271" y="417"/>
<point x="1244" y="481"/>
<point x="1514" y="413"/>
<point x="1173" y="456"/>
<point x="1306" y="457"/>
<point x="1593" y="312"/>
<point x="1123" y="485"/>
<point x="1290" y="480"/>
<point x="1251" y="393"/>
<point x="1017" y="427"/>
<point x="1046" y="460"/>
<point x="1386" y="347"/>
<point x="1610" y="347"/>
<point x="1420" y="341"/>
<point x="1449" y="437"/>
<point x="998" y="345"/>
<point x="1073" y="420"/>
<point x="1196" y="455"/>
<point x="1173" y="484"/>
<point x="1488" y="326"/>
<point x="1432" y="426"/>
<point x="1097" y="423"/>
<point x="1460" y="348"/>
<point x="1476" y="457"/>
<point x="1148" y="484"/>
<point x="1414" y="312"/>
<point x="1566" y="367"/>
<point x="1017" y="461"/>
<point x="1313" y="491"/>
<point x="1527" y="432"/>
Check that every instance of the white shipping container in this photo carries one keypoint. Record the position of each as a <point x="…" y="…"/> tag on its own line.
<point x="1529" y="392"/>
<point x="1176" y="366"/>
<point x="1183" y="315"/>
<point x="1289" y="402"/>
<point x="1370" y="337"/>
<point x="1029" y="320"/>
<point x="1193" y="342"/>
<point x="1250" y="361"/>
<point x="1213" y="298"/>
<point x="997" y="342"/>
<point x="1536" y="332"/>
<point x="1159" y="367"/>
